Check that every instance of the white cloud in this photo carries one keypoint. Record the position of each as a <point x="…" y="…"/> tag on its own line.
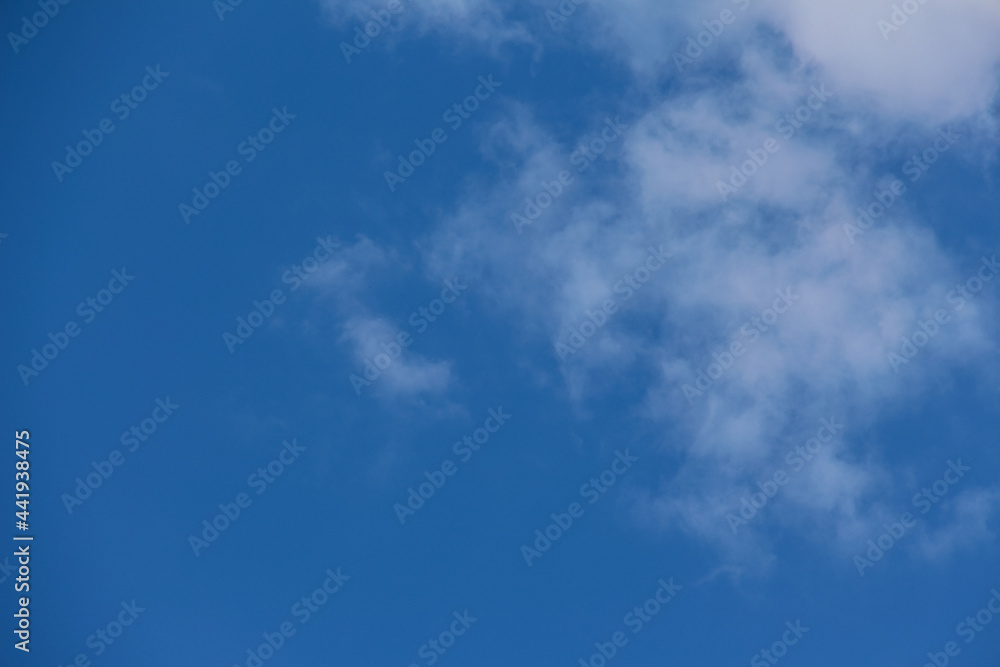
<point x="940" y="64"/>
<point x="783" y="229"/>
<point x="343" y="283"/>
<point x="479" y="22"/>
<point x="969" y="520"/>
<point x="409" y="374"/>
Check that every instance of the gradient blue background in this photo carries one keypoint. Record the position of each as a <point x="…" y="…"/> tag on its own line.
<point x="333" y="507"/>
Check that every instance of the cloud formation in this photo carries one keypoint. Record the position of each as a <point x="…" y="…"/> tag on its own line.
<point x="808" y="112"/>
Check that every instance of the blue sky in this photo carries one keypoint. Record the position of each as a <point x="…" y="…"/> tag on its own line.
<point x="719" y="383"/>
